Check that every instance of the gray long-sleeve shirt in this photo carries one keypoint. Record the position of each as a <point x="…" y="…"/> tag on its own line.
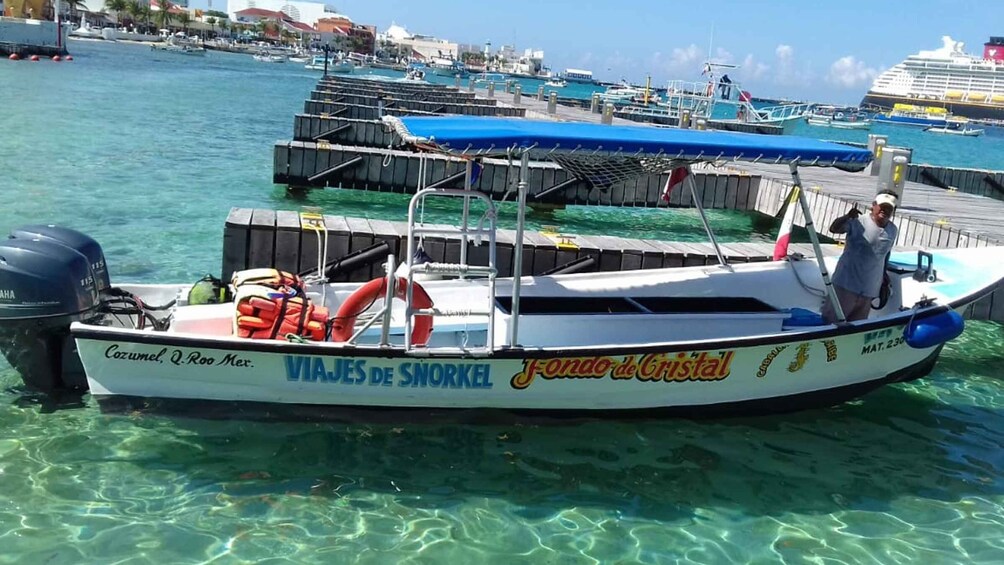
<point x="862" y="263"/>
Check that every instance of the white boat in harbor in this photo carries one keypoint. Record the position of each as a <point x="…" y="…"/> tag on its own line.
<point x="268" y="57"/>
<point x="964" y="131"/>
<point x="86" y="31"/>
<point x="335" y="65"/>
<point x="555" y="82"/>
<point x="180" y="44"/>
<point x="728" y="338"/>
<point x="837" y="117"/>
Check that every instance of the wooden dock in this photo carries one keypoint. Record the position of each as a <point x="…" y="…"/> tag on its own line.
<point x="365" y="165"/>
<point x="928" y="216"/>
<point x="268" y="238"/>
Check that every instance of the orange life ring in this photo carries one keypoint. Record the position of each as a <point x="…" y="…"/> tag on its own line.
<point x="343" y="324"/>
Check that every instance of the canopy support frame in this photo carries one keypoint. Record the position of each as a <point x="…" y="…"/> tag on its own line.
<point x="831" y="291"/>
<point x="689" y="180"/>
<point x="517" y="259"/>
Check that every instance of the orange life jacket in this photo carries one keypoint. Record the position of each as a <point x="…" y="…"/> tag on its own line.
<point x="269" y="304"/>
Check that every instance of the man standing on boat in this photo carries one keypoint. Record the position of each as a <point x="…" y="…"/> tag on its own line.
<point x="858" y="277"/>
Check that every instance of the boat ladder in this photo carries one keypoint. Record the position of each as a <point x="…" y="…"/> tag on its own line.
<point x="482" y="231"/>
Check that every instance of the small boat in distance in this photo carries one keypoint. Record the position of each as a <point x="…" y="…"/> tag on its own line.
<point x="268" y="57"/>
<point x="838" y="117"/>
<point x="341" y="66"/>
<point x="963" y="130"/>
<point x="180" y="44"/>
<point x="486" y="77"/>
<point x="556" y="82"/>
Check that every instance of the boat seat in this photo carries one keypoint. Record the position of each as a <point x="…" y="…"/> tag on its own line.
<point x="205" y="319"/>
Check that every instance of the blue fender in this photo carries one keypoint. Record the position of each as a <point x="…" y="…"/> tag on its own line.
<point x="934" y="330"/>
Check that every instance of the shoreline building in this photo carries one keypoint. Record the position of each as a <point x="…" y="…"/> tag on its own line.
<point x="298" y="11"/>
<point x="421" y="47"/>
<point x="341" y="32"/>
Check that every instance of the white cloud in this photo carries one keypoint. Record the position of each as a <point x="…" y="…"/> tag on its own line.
<point x="751" y="69"/>
<point x="848" y="72"/>
<point x="785" y="64"/>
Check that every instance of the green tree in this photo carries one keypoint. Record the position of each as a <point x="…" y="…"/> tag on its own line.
<point x="135" y="10"/>
<point x="163" y="18"/>
<point x="184" y="19"/>
<point x="146" y="16"/>
<point x="224" y="26"/>
<point x="212" y="24"/>
<point x="117" y="7"/>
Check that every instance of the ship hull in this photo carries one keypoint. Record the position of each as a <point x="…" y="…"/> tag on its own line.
<point x="972" y="110"/>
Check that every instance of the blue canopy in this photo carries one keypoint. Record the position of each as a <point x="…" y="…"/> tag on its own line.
<point x="486" y="135"/>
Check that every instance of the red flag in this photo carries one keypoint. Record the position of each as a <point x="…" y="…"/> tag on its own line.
<point x="784" y="233"/>
<point x="675" y="178"/>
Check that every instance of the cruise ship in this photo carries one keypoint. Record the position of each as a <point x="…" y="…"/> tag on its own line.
<point x="950" y="78"/>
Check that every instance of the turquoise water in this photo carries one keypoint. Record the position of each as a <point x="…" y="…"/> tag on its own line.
<point x="148" y="152"/>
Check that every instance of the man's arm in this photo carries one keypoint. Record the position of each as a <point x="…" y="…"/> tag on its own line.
<point x="840" y="224"/>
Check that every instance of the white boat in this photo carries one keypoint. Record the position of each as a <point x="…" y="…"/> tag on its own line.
<point x="301" y="59"/>
<point x="442" y="66"/>
<point x="704" y="340"/>
<point x="268" y="57"/>
<point x="86" y="31"/>
<point x="414" y="74"/>
<point x="625" y="93"/>
<point x="556" y="83"/>
<point x="340" y="66"/>
<point x="965" y="131"/>
<point x="838" y="118"/>
<point x="181" y="45"/>
<point x="486" y="77"/>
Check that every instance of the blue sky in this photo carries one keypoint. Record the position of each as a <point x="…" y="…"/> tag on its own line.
<point x="821" y="51"/>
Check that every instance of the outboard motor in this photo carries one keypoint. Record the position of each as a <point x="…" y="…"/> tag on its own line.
<point x="73" y="239"/>
<point x="48" y="280"/>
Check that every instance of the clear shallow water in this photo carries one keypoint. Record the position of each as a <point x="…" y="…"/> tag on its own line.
<point x="148" y="155"/>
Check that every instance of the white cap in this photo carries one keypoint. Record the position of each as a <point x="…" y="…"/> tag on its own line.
<point x="886" y="199"/>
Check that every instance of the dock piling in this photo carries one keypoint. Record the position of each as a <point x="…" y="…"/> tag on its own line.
<point x="594" y="103"/>
<point x="608" y="114"/>
<point x="552" y="103"/>
<point x="876" y="144"/>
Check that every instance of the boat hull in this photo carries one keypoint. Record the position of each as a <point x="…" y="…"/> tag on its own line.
<point x="818" y="368"/>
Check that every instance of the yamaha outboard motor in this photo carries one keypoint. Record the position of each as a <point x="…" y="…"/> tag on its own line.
<point x="48" y="280"/>
<point x="73" y="239"/>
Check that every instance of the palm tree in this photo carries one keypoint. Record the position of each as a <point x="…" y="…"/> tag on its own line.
<point x="223" y="25"/>
<point x="184" y="19"/>
<point x="146" y="15"/>
<point x="135" y="10"/>
<point x="117" y="7"/>
<point x="211" y="20"/>
<point x="163" y="17"/>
